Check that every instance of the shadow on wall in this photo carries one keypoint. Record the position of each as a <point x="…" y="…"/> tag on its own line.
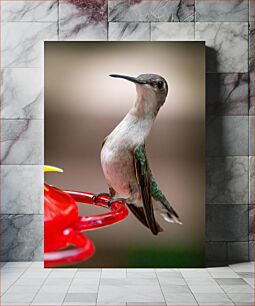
<point x="217" y="150"/>
<point x="212" y="62"/>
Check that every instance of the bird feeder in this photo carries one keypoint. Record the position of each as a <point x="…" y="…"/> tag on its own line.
<point x="64" y="242"/>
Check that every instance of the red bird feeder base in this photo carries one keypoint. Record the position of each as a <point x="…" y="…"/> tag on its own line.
<point x="63" y="241"/>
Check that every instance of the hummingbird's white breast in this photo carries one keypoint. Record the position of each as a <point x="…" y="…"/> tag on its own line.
<point x="117" y="153"/>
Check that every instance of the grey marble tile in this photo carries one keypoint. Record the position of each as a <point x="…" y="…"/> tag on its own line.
<point x="237" y="288"/>
<point x="196" y="276"/>
<point x="114" y="273"/>
<point x="155" y="303"/>
<point x="227" y="42"/>
<point x="227" y="223"/>
<point x="85" y="285"/>
<point x="129" y="31"/>
<point x="251" y="180"/>
<point x="238" y="251"/>
<point x="213" y="299"/>
<point x="234" y="10"/>
<point x="49" y="298"/>
<point x="231" y="281"/>
<point x="215" y="252"/>
<point x="227" y="135"/>
<point x="81" y="297"/>
<point x="168" y="289"/>
<point x="151" y="10"/>
<point x="23" y="43"/>
<point x="251" y="222"/>
<point x="251" y="250"/>
<point x="83" y="20"/>
<point x="242" y="267"/>
<point x="251" y="10"/>
<point x="250" y="281"/>
<point x="21" y="297"/>
<point x="131" y="282"/>
<point x="251" y="93"/>
<point x="22" y="237"/>
<point x="112" y="292"/>
<point x="242" y="299"/>
<point x="182" y="31"/>
<point x="227" y="93"/>
<point x="92" y="272"/>
<point x="65" y="276"/>
<point x="141" y="273"/>
<point x="123" y="293"/>
<point x="227" y="180"/>
<point x="22" y="189"/>
<point x="251" y="135"/>
<point x="246" y="274"/>
<point x="204" y="287"/>
<point x="21" y="142"/>
<point x="170" y="276"/>
<point x="84" y="304"/>
<point x="251" y="68"/>
<point x="23" y="10"/>
<point x="251" y="46"/>
<point x="22" y="93"/>
<point x="169" y="279"/>
<point x="180" y="299"/>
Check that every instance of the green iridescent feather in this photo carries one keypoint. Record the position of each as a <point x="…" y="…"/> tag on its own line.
<point x="156" y="193"/>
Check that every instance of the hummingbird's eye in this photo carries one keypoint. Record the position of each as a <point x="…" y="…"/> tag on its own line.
<point x="160" y="84"/>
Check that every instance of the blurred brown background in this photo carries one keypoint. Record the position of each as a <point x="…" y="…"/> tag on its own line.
<point x="82" y="106"/>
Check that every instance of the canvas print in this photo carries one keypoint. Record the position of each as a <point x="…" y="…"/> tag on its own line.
<point x="124" y="154"/>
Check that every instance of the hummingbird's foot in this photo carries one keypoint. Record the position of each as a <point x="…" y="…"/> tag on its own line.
<point x="116" y="200"/>
<point x="98" y="195"/>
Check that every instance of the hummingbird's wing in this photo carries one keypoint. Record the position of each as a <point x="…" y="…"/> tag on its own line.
<point x="138" y="213"/>
<point x="143" y="176"/>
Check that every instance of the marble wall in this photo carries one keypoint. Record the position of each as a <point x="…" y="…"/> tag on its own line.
<point x="226" y="26"/>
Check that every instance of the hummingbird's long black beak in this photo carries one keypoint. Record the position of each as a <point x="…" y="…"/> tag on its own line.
<point x="129" y="78"/>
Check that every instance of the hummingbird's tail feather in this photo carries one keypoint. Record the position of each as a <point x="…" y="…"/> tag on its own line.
<point x="140" y="215"/>
<point x="172" y="218"/>
<point x="168" y="213"/>
<point x="166" y="209"/>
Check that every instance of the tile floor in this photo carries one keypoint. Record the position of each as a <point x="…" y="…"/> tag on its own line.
<point x="28" y="283"/>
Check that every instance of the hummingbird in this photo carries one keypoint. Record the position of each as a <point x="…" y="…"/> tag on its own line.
<point x="123" y="156"/>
